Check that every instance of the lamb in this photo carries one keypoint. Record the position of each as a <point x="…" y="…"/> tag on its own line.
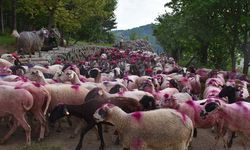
<point x="16" y="102"/>
<point x="94" y="100"/>
<point x="156" y="129"/>
<point x="234" y="117"/>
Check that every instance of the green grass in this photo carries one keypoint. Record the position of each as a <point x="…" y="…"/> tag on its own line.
<point x="7" y="40"/>
<point x="42" y="146"/>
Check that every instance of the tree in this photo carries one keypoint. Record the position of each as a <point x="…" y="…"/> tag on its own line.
<point x="1" y="16"/>
<point x="212" y="30"/>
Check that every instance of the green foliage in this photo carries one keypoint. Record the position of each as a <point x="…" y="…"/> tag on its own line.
<point x="210" y="30"/>
<point x="80" y="19"/>
<point x="133" y="36"/>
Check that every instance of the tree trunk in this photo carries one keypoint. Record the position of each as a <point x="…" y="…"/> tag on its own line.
<point x="1" y="13"/>
<point x="233" y="59"/>
<point x="246" y="53"/>
<point x="203" y="54"/>
<point x="13" y="14"/>
<point x="51" y="19"/>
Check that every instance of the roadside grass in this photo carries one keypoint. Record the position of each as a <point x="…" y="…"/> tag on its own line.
<point x="7" y="40"/>
<point x="7" y="43"/>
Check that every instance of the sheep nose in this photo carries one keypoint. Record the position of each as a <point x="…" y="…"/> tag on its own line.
<point x="203" y="114"/>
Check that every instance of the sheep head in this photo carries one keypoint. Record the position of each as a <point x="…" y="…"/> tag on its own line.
<point x="210" y="108"/>
<point x="101" y="113"/>
<point x="35" y="75"/>
<point x="58" y="112"/>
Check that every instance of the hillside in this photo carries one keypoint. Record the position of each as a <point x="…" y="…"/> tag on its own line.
<point x="142" y="32"/>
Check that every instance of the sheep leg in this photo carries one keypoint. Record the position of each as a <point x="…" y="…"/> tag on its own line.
<point x="230" y="142"/>
<point x="69" y="121"/>
<point x="10" y="132"/>
<point x="26" y="127"/>
<point x="195" y="132"/>
<point x="83" y="132"/>
<point x="99" y="126"/>
<point x="39" y="116"/>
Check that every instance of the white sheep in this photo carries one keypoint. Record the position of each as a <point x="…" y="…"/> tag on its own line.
<point x="156" y="129"/>
<point x="38" y="76"/>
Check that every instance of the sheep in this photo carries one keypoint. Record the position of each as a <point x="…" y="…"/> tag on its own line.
<point x="28" y="41"/>
<point x="5" y="63"/>
<point x="8" y="57"/>
<point x="179" y="97"/>
<point x="48" y="69"/>
<point x="38" y="76"/>
<point x="66" y="94"/>
<point x="130" y="81"/>
<point x="156" y="129"/>
<point x="94" y="100"/>
<point x="234" y="117"/>
<point x="16" y="102"/>
<point x="70" y="75"/>
<point x="41" y="98"/>
<point x="159" y="95"/>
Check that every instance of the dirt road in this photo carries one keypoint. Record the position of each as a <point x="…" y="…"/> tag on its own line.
<point x="61" y="141"/>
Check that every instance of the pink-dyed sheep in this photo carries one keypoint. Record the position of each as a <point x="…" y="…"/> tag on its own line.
<point x="16" y="102"/>
<point x="234" y="117"/>
<point x="41" y="98"/>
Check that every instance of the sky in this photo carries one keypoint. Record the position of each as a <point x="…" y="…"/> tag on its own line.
<point x="134" y="13"/>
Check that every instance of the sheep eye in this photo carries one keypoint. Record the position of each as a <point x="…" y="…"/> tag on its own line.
<point x="102" y="113"/>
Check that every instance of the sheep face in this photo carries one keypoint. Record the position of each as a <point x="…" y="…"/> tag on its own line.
<point x="8" y="57"/>
<point x="58" y="75"/>
<point x="69" y="74"/>
<point x="34" y="75"/>
<point x="58" y="112"/>
<point x="210" y="108"/>
<point x="101" y="113"/>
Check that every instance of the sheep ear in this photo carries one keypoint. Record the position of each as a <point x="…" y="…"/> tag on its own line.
<point x="66" y="111"/>
<point x="100" y="92"/>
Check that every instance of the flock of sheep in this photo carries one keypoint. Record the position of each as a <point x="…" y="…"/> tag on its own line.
<point x="152" y="102"/>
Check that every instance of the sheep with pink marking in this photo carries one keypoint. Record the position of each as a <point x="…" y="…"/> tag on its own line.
<point x="66" y="94"/>
<point x="16" y="102"/>
<point x="235" y="117"/>
<point x="41" y="98"/>
<point x="155" y="129"/>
